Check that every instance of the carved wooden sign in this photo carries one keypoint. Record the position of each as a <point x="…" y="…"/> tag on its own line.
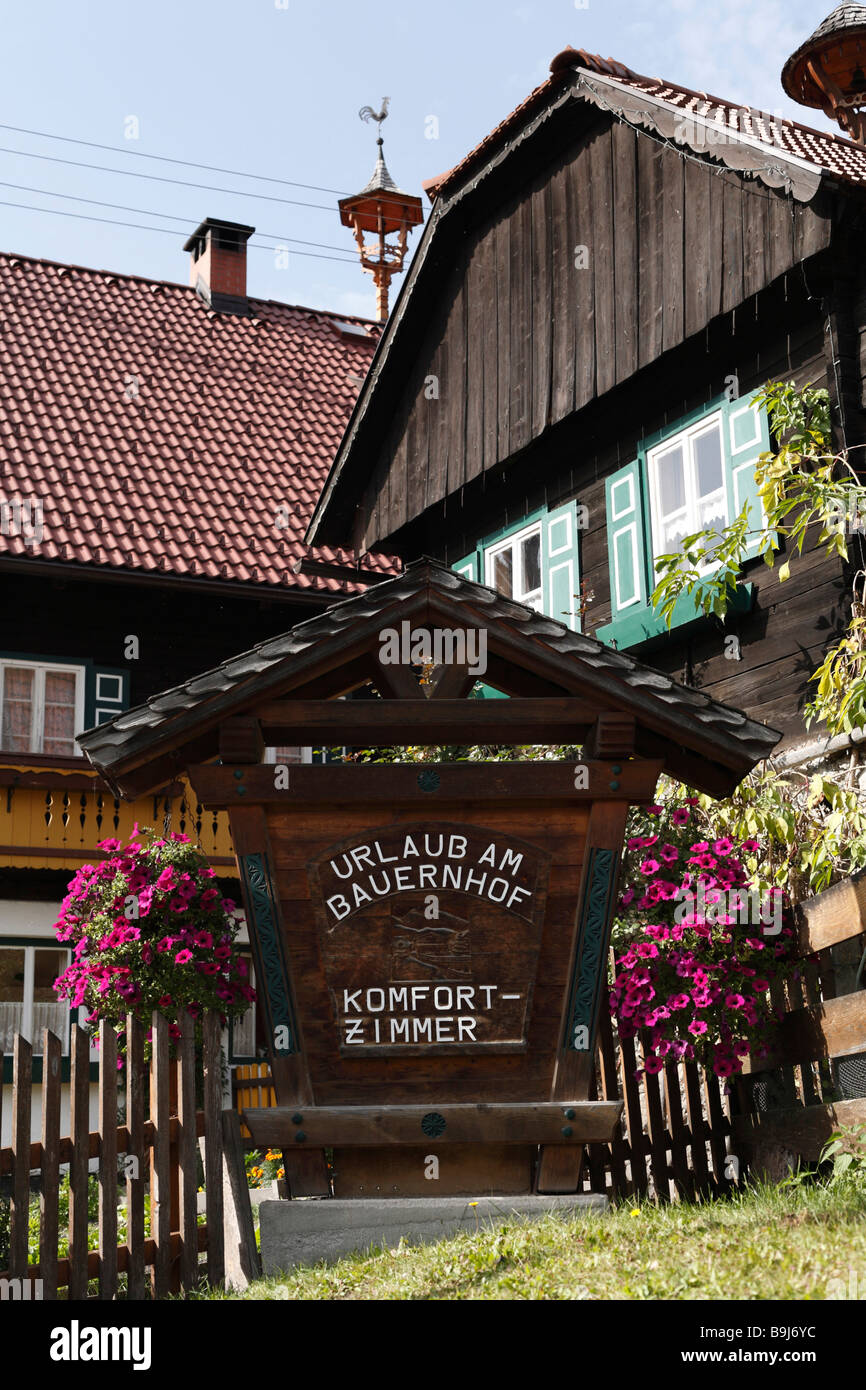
<point x="429" y="935"/>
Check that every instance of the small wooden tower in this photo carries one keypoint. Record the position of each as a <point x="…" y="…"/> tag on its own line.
<point x="829" y="70"/>
<point x="382" y="209"/>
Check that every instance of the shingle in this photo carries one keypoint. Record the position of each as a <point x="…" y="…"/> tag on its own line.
<point x="213" y="443"/>
<point x="834" y="153"/>
<point x="107" y="745"/>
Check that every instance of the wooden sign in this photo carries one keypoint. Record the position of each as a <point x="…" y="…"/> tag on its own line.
<point x="429" y="934"/>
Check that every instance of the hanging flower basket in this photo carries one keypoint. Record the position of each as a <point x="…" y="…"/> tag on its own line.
<point x="151" y="931"/>
<point x="704" y="949"/>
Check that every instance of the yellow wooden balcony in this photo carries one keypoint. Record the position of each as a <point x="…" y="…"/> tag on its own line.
<point x="52" y="818"/>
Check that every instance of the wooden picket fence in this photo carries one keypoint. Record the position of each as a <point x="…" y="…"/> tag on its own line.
<point x="686" y="1133"/>
<point x="673" y="1140"/>
<point x="155" y="1148"/>
<point x="814" y="1082"/>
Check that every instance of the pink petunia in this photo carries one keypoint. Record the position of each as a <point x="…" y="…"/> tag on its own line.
<point x="650" y="866"/>
<point x="182" y="957"/>
<point x="680" y="816"/>
<point x="697" y="1027"/>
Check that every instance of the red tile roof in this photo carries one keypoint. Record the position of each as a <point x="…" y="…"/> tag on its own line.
<point x="163" y="437"/>
<point x="834" y="153"/>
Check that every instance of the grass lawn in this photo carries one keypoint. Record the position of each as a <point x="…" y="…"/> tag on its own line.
<point x="796" y="1242"/>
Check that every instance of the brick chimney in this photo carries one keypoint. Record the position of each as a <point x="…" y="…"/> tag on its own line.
<point x="218" y="264"/>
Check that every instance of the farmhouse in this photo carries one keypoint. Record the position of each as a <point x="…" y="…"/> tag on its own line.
<point x="565" y="386"/>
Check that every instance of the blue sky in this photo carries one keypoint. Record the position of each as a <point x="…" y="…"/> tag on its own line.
<point x="273" y="87"/>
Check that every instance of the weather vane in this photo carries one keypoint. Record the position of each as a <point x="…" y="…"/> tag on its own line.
<point x="368" y="114"/>
<point x="381" y="208"/>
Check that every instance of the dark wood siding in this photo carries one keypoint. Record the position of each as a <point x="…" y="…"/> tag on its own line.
<point x="778" y="335"/>
<point x="521" y="338"/>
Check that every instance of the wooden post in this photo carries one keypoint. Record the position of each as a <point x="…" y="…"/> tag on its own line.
<point x="174" y="1280"/>
<point x="107" y="1161"/>
<point x="78" y="1166"/>
<point x="559" y="1165"/>
<point x="306" y="1173"/>
<point x="22" y="1090"/>
<point x="213" y="1153"/>
<point x="187" y="1157"/>
<point x="160" y="1191"/>
<point x="135" y="1081"/>
<point x="49" y="1198"/>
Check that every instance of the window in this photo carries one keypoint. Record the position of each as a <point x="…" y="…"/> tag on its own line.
<point x="514" y="567"/>
<point x="535" y="562"/>
<point x="41" y="707"/>
<point x="693" y="476"/>
<point x="687" y="486"/>
<point x="245" y="1043"/>
<point x="28" y="1003"/>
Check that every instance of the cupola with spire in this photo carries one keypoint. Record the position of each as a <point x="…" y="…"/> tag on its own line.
<point x="829" y="70"/>
<point x="381" y="209"/>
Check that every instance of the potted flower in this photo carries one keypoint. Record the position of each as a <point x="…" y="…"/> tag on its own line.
<point x="699" y="947"/>
<point x="151" y="931"/>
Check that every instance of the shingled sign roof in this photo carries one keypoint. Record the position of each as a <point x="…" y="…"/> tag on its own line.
<point x="162" y="437"/>
<point x="673" y="720"/>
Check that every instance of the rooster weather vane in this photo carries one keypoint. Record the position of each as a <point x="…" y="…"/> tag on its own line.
<point x="381" y="209"/>
<point x="368" y="114"/>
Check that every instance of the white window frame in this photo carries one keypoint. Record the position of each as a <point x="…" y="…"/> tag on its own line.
<point x="511" y="543"/>
<point x="684" y="438"/>
<point x="242" y="1059"/>
<point x="26" y="1029"/>
<point x="270" y="756"/>
<point x="37" y="725"/>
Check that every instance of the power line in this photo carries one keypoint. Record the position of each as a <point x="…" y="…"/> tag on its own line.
<point x="167" y="231"/>
<point x="162" y="178"/>
<point x="167" y="159"/>
<point x="149" y="212"/>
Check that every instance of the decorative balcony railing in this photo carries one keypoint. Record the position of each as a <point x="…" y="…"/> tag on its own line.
<point x="53" y="819"/>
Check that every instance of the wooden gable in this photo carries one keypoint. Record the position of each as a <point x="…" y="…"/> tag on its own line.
<point x="581" y="258"/>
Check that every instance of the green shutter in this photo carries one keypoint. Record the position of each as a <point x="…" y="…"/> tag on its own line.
<point x="746" y="435"/>
<point x="560" y="566"/>
<point x="626" y="540"/>
<point x="106" y="694"/>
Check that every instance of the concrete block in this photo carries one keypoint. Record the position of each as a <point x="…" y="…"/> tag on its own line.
<point x="306" y="1231"/>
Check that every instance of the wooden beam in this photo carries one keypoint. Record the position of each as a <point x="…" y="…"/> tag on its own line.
<point x="832" y="916"/>
<point x="552" y="720"/>
<point x="430" y="784"/>
<point x="836" y="1028"/>
<point x="240" y="740"/>
<point x="451" y="683"/>
<point x="323" y="569"/>
<point x="306" y="1172"/>
<point x="611" y="736"/>
<point x="364" y="1125"/>
<point x="396" y="682"/>
<point x="804" y="1130"/>
<point x="558" y="1168"/>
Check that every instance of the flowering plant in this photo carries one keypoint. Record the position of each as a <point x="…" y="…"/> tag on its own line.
<point x="702" y="947"/>
<point x="152" y="932"/>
